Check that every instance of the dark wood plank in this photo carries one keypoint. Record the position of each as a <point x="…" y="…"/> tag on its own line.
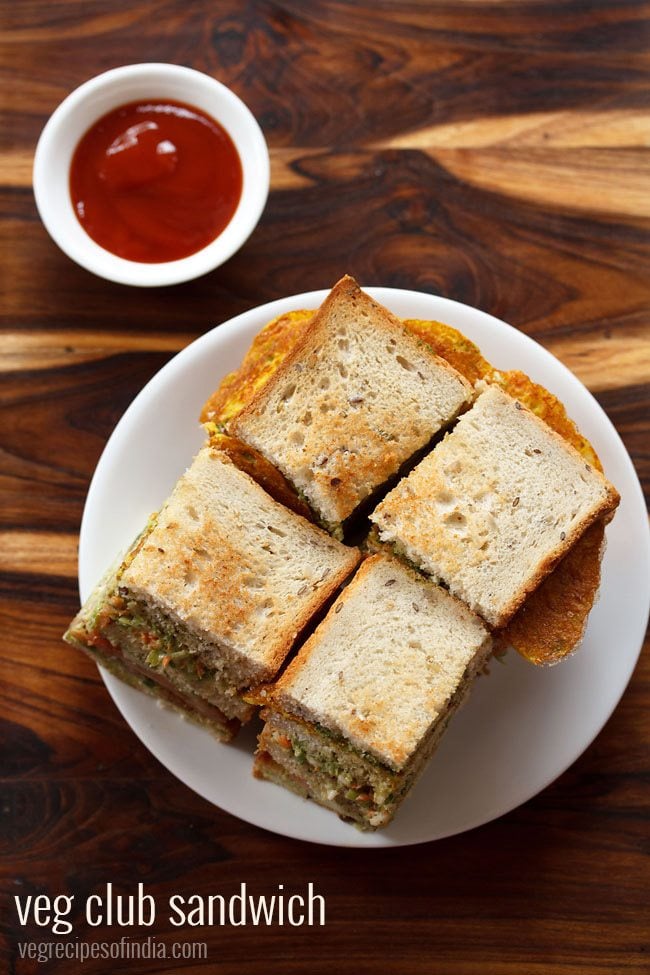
<point x="55" y="424"/>
<point x="330" y="74"/>
<point x="493" y="153"/>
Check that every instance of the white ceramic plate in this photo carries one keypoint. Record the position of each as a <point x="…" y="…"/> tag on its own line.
<point x="522" y="727"/>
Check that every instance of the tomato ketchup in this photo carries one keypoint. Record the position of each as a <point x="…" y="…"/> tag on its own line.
<point x="155" y="181"/>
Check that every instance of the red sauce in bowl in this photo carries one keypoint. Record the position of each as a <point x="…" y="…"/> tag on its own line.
<point x="155" y="181"/>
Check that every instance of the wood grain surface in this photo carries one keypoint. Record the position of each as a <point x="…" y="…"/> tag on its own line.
<point x="492" y="152"/>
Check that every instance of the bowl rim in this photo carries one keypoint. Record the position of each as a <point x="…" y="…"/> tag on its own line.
<point x="81" y="248"/>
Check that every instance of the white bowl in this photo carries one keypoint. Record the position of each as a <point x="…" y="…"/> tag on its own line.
<point x="136" y="82"/>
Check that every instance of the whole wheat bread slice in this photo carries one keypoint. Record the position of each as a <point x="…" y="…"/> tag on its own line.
<point x="354" y="400"/>
<point x="493" y="508"/>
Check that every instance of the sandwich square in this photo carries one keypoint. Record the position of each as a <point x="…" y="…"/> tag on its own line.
<point x="492" y="508"/>
<point x="212" y="597"/>
<point x="351" y="403"/>
<point x="358" y="712"/>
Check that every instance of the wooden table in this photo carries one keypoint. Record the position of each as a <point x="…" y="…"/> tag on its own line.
<point x="495" y="153"/>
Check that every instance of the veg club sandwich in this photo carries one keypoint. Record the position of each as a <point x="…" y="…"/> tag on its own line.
<point x="486" y="516"/>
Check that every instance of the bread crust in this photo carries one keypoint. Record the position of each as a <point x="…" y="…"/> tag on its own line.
<point x="537" y="639"/>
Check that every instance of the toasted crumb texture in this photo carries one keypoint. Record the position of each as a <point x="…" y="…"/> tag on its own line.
<point x="320" y="766"/>
<point x="354" y="399"/>
<point x="493" y="508"/>
<point x="234" y="569"/>
<point x="383" y="666"/>
<point x="548" y="408"/>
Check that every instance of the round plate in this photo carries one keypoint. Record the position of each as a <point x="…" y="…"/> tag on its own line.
<point x="522" y="727"/>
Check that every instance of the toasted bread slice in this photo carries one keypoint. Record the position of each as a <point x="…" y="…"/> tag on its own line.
<point x="492" y="509"/>
<point x="237" y="569"/>
<point x="385" y="663"/>
<point x="355" y="398"/>
<point x="358" y="712"/>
